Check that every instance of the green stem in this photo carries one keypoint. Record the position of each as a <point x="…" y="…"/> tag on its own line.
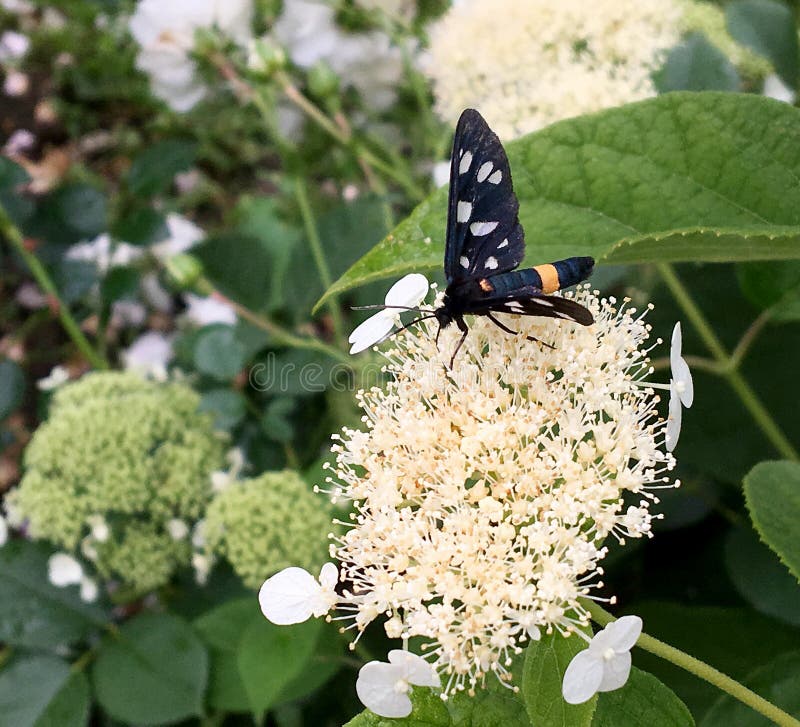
<point x="317" y="252"/>
<point x="748" y="397"/>
<point x="702" y="670"/>
<point x="11" y="232"/>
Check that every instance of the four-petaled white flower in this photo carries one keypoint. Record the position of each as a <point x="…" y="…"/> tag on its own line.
<point x="293" y="595"/>
<point x="64" y="570"/>
<point x="383" y="688"/>
<point x="681" y="388"/>
<point x="408" y="292"/>
<point x="605" y="665"/>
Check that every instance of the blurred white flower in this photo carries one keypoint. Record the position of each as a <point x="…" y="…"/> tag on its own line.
<point x="605" y="665"/>
<point x="366" y="61"/>
<point x="58" y="375"/>
<point x="681" y="388"/>
<point x="383" y="688"/>
<point x="30" y="296"/>
<point x="204" y="311"/>
<point x="202" y="565"/>
<point x="89" y="590"/>
<point x="3" y="531"/>
<point x="52" y="19"/>
<point x="99" y="528"/>
<point x="441" y="173"/>
<point x="182" y="235"/>
<point x="528" y="63"/>
<point x="177" y="529"/>
<point x="166" y="35"/>
<point x="150" y="354"/>
<point x="775" y="88"/>
<point x="293" y="595"/>
<point x="16" y="83"/>
<point x="64" y="570"/>
<point x="154" y="294"/>
<point x="13" y="46"/>
<point x="19" y="142"/>
<point x="127" y="313"/>
<point x="104" y="253"/>
<point x="408" y="292"/>
<point x="18" y="7"/>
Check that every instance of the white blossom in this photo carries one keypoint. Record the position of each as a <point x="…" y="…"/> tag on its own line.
<point x="605" y="665"/>
<point x="383" y="688"/>
<point x="64" y="570"/>
<point x="58" y="375"/>
<point x="3" y="531"/>
<point x="528" y="63"/>
<point x="775" y="88"/>
<point x="182" y="235"/>
<point x="150" y="354"/>
<point x="407" y="292"/>
<point x="203" y="311"/>
<point x="293" y="595"/>
<point x="177" y="529"/>
<point x="16" y="83"/>
<point x="98" y="527"/>
<point x="89" y="590"/>
<point x="13" y="46"/>
<point x="681" y="388"/>
<point x="165" y="33"/>
<point x="202" y="564"/>
<point x="104" y="252"/>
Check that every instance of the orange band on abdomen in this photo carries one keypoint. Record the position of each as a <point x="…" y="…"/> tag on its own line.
<point x="549" y="276"/>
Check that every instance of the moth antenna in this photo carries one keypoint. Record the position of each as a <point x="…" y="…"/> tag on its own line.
<point x="381" y="306"/>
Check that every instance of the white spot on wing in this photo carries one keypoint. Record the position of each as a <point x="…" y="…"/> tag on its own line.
<point x="514" y="305"/>
<point x="485" y="170"/>
<point x="463" y="211"/>
<point x="466" y="161"/>
<point x="496" y="177"/>
<point x="482" y="228"/>
<point x="491" y="263"/>
<point x="503" y="244"/>
<point x="464" y="260"/>
<point x="542" y="301"/>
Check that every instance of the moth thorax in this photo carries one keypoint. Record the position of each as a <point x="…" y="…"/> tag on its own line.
<point x="486" y="286"/>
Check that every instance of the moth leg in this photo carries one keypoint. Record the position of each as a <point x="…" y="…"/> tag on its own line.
<point x="462" y="326"/>
<point x="504" y="327"/>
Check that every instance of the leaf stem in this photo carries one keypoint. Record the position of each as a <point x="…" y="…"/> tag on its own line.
<point x="702" y="670"/>
<point x="729" y="371"/>
<point x="11" y="232"/>
<point x="317" y="252"/>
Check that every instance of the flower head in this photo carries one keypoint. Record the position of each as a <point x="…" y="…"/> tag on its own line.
<point x="406" y="293"/>
<point x="384" y="688"/>
<point x="542" y="61"/>
<point x="109" y="484"/>
<point x="482" y="495"/>
<point x="605" y="665"/>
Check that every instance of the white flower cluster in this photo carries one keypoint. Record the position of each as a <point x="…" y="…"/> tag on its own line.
<point x="482" y="495"/>
<point x="366" y="61"/>
<point x="166" y="34"/>
<point x="528" y="63"/>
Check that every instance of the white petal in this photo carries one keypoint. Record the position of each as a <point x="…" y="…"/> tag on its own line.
<point x="415" y="669"/>
<point x="3" y="531"/>
<point x="177" y="529"/>
<point x="775" y="88"/>
<point x="89" y="590"/>
<point x="376" y="687"/>
<point x="329" y="576"/>
<point x="619" y="635"/>
<point x="290" y="596"/>
<point x="371" y="331"/>
<point x="408" y="291"/>
<point x="582" y="677"/>
<point x="615" y="672"/>
<point x="680" y="369"/>
<point x="676" y="344"/>
<point x="64" y="570"/>
<point x="674" y="418"/>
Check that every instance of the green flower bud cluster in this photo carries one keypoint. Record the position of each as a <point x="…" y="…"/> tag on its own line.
<point x="118" y="462"/>
<point x="709" y="19"/>
<point x="264" y="524"/>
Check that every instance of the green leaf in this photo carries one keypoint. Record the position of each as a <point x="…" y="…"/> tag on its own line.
<point x="685" y="176"/>
<point x="12" y="387"/>
<point x="642" y="702"/>
<point x="218" y="353"/>
<point x="771" y="284"/>
<point x="34" y="613"/>
<point x="70" y="707"/>
<point x="545" y="663"/>
<point x="772" y="492"/>
<point x="276" y="420"/>
<point x="769" y="28"/>
<point x="696" y="65"/>
<point x="323" y="664"/>
<point x="429" y="711"/>
<point x="271" y="656"/>
<point x="141" y="226"/>
<point x="120" y="282"/>
<point x="154" y="671"/>
<point x="222" y="629"/>
<point x="760" y="577"/>
<point x="70" y="214"/>
<point x="778" y="682"/>
<point x="734" y="640"/>
<point x="11" y="174"/>
<point x="228" y="407"/>
<point x="28" y="688"/>
<point x="154" y="169"/>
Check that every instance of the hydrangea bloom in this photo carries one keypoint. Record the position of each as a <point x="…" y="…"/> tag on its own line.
<point x="117" y="460"/>
<point x="264" y="524"/>
<point x="541" y="61"/>
<point x="165" y="32"/>
<point x="482" y="495"/>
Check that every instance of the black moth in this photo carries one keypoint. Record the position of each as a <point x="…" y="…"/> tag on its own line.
<point x="485" y="242"/>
